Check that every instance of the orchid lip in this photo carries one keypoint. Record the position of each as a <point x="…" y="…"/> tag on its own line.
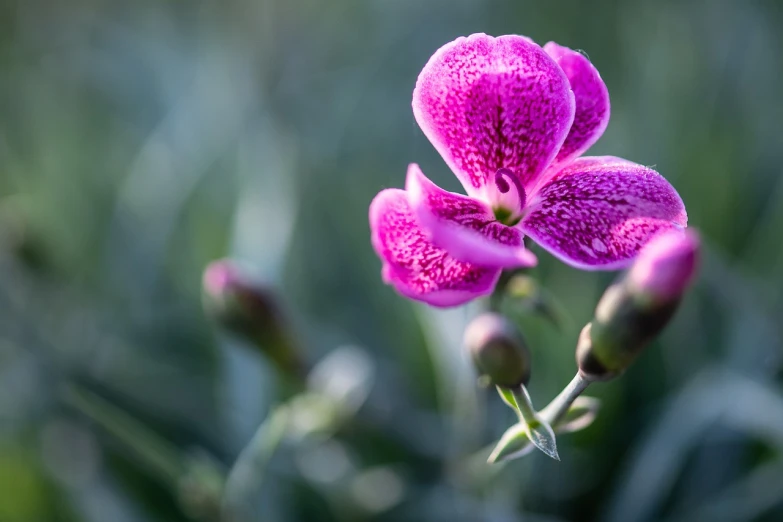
<point x="508" y="201"/>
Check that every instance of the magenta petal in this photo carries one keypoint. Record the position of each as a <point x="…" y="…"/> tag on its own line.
<point x="463" y="226"/>
<point x="592" y="101"/>
<point x="598" y="212"/>
<point x="488" y="103"/>
<point x="413" y="265"/>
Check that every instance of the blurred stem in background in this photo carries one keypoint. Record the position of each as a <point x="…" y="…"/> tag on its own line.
<point x="319" y="401"/>
<point x="244" y="481"/>
<point x="196" y="481"/>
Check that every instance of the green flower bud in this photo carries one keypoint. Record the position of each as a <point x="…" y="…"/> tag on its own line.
<point x="498" y="350"/>
<point x="251" y="311"/>
<point x="633" y="311"/>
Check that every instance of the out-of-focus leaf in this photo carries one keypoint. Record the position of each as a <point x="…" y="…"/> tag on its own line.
<point x="580" y="415"/>
<point x="525" y="295"/>
<point x="344" y="377"/>
<point x="513" y="444"/>
<point x="714" y="397"/>
<point x="26" y="493"/>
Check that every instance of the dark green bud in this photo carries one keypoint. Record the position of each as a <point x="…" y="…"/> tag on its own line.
<point x="621" y="329"/>
<point x="498" y="350"/>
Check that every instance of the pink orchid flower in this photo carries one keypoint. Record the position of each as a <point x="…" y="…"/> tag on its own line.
<point x="511" y="120"/>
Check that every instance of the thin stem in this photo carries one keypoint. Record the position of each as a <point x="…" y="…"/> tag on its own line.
<point x="244" y="480"/>
<point x="557" y="409"/>
<point x="524" y="404"/>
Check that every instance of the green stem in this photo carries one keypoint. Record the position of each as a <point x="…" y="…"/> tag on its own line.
<point x="524" y="405"/>
<point x="557" y="409"/>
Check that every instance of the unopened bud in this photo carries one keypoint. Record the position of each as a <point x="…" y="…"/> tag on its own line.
<point x="634" y="310"/>
<point x="665" y="266"/>
<point x="248" y="309"/>
<point x="498" y="350"/>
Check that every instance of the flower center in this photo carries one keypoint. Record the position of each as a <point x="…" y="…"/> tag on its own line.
<point x="508" y="200"/>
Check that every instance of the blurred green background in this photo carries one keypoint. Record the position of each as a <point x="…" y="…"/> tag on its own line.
<point x="141" y="140"/>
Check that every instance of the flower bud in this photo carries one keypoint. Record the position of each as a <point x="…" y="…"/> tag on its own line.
<point x="498" y="350"/>
<point x="666" y="266"/>
<point x="251" y="311"/>
<point x="634" y="310"/>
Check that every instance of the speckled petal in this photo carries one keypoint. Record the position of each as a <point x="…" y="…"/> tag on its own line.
<point x="463" y="226"/>
<point x="592" y="102"/>
<point x="488" y="103"/>
<point x="598" y="212"/>
<point x="413" y="265"/>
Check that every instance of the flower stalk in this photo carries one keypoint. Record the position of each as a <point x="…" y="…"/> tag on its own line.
<point x="246" y="476"/>
<point x="556" y="410"/>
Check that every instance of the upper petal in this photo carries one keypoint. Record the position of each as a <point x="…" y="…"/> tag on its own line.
<point x="463" y="226"/>
<point x="413" y="265"/>
<point x="592" y="102"/>
<point x="488" y="103"/>
<point x="598" y="212"/>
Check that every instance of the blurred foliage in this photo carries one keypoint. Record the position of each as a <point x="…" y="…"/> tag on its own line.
<point x="141" y="140"/>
